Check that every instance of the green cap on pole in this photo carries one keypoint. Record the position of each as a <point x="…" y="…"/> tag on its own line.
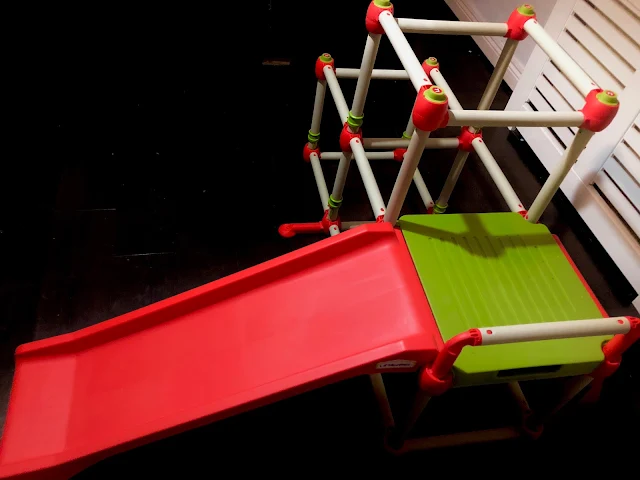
<point x="433" y="61"/>
<point x="382" y="3"/>
<point x="608" y="98"/>
<point x="435" y="94"/>
<point x="527" y="10"/>
<point x="325" y="57"/>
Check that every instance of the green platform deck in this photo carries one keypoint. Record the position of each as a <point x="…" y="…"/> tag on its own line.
<point x="494" y="269"/>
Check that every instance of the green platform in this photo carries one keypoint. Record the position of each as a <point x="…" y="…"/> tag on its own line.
<point x="494" y="269"/>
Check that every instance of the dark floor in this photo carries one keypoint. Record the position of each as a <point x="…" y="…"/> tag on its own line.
<point x="157" y="153"/>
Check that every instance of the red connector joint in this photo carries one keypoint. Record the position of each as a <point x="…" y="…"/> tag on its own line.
<point x="438" y="378"/>
<point x="431" y="110"/>
<point x="327" y="223"/>
<point x="307" y="151"/>
<point x="346" y="136"/>
<point x="324" y="60"/>
<point x="466" y="137"/>
<point x="429" y="64"/>
<point x="516" y="21"/>
<point x="600" y="108"/>
<point x="399" y="153"/>
<point x="372" y="21"/>
<point x="288" y="230"/>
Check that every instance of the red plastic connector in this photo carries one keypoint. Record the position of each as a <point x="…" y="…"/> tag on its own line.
<point x="307" y="151"/>
<point x="438" y="378"/>
<point x="399" y="153"/>
<point x="600" y="108"/>
<point x="376" y="7"/>
<point x="346" y="136"/>
<point x="431" y="109"/>
<point x="429" y="64"/>
<point x="466" y="137"/>
<point x="324" y="60"/>
<point x="516" y="21"/>
<point x="524" y="214"/>
<point x="288" y="230"/>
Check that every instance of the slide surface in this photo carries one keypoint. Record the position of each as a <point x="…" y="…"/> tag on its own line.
<point x="345" y="306"/>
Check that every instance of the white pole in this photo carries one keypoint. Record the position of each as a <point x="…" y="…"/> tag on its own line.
<point x="560" y="58"/>
<point x="362" y="87"/>
<point x="320" y="182"/>
<point x="404" y="51"/>
<point x="553" y="330"/>
<point x="413" y="25"/>
<point x="501" y="118"/>
<point x="408" y="168"/>
<point x="432" y="143"/>
<point x="377" y="74"/>
<point x="463" y="438"/>
<point x="383" y="401"/>
<point x="338" y="183"/>
<point x="558" y="174"/>
<point x="370" y="185"/>
<point x="506" y="190"/>
<point x="370" y="155"/>
<point x="439" y="80"/>
<point x="318" y="105"/>
<point x="350" y="225"/>
<point x="571" y="388"/>
<point x="422" y="189"/>
<point x="336" y="93"/>
<point x="334" y="230"/>
<point x="450" y="182"/>
<point x="420" y="402"/>
<point x="408" y="131"/>
<point x="521" y="400"/>
<point x="504" y="60"/>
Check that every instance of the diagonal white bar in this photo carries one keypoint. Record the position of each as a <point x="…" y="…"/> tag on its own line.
<point x="364" y="79"/>
<point x="336" y="93"/>
<point x="370" y="155"/>
<point x="439" y="80"/>
<point x="501" y="118"/>
<point x="320" y="182"/>
<point x="444" y="27"/>
<point x="404" y="51"/>
<point x="370" y="185"/>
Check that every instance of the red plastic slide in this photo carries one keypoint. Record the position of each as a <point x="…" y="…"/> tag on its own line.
<point x="345" y="306"/>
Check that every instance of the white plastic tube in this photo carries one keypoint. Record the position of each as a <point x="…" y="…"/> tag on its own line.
<point x="318" y="105"/>
<point x="370" y="184"/>
<point x="413" y="25"/>
<point x="380" y="393"/>
<point x="377" y="74"/>
<point x="560" y="58"/>
<point x="506" y="190"/>
<point x="370" y="155"/>
<point x="504" y="60"/>
<point x="362" y="87"/>
<point x="452" y="178"/>
<point x="320" y="182"/>
<point x="439" y="80"/>
<point x="340" y="180"/>
<point x="500" y="118"/>
<point x="462" y="438"/>
<point x="422" y="189"/>
<point x="336" y="93"/>
<point x="554" y="330"/>
<point x="404" y="51"/>
<point x="558" y="174"/>
<point x="407" y="170"/>
<point x="432" y="143"/>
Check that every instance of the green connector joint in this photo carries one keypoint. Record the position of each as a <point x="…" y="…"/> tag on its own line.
<point x="437" y="209"/>
<point x="355" y="122"/>
<point x="435" y="94"/>
<point x="333" y="203"/>
<point x="608" y="98"/>
<point x="325" y="57"/>
<point x="406" y="136"/>
<point x="382" y="3"/>
<point x="527" y="10"/>
<point x="432" y="61"/>
<point x="313" y="137"/>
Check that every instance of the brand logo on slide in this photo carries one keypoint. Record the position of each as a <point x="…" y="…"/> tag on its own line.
<point x="396" y="364"/>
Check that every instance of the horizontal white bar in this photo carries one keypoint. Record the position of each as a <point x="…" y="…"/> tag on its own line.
<point x="463" y="438"/>
<point x="554" y="330"/>
<point x="414" y="25"/>
<point x="432" y="143"/>
<point x="370" y="155"/>
<point x="336" y="93"/>
<point x="560" y="58"/>
<point x="404" y="51"/>
<point x="378" y="74"/>
<point x="501" y="118"/>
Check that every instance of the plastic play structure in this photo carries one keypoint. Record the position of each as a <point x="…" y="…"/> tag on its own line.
<point x="409" y="293"/>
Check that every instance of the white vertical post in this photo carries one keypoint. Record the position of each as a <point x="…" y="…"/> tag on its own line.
<point x="558" y="174"/>
<point x="498" y="74"/>
<point x="450" y="182"/>
<point x="338" y="184"/>
<point x="407" y="170"/>
<point x="318" y="106"/>
<point x="364" y="78"/>
<point x="369" y="180"/>
<point x="383" y="401"/>
<point x="320" y="182"/>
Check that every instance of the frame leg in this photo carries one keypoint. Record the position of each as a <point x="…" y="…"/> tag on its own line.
<point x="450" y="182"/>
<point x="383" y="401"/>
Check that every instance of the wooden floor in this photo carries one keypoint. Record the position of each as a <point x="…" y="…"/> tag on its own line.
<point x="157" y="153"/>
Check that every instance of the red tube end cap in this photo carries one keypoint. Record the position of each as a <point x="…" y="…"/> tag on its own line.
<point x="307" y="151"/>
<point x="345" y="137"/>
<point x="466" y="137"/>
<point x="322" y="61"/>
<point x="600" y="108"/>
<point x="430" y="111"/>
<point x="399" y="153"/>
<point x="516" y="21"/>
<point x="376" y="7"/>
<point x="429" y="64"/>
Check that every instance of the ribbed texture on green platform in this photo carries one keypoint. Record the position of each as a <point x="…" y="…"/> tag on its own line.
<point x="494" y="269"/>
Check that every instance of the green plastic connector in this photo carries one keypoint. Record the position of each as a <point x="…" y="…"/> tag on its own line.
<point x="608" y="98"/>
<point x="527" y="10"/>
<point x="438" y="209"/>
<point x="382" y="3"/>
<point x="333" y="203"/>
<point x="406" y="136"/>
<point x="435" y="94"/>
<point x="355" y="122"/>
<point x="431" y="61"/>
<point x="325" y="57"/>
<point x="313" y="137"/>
